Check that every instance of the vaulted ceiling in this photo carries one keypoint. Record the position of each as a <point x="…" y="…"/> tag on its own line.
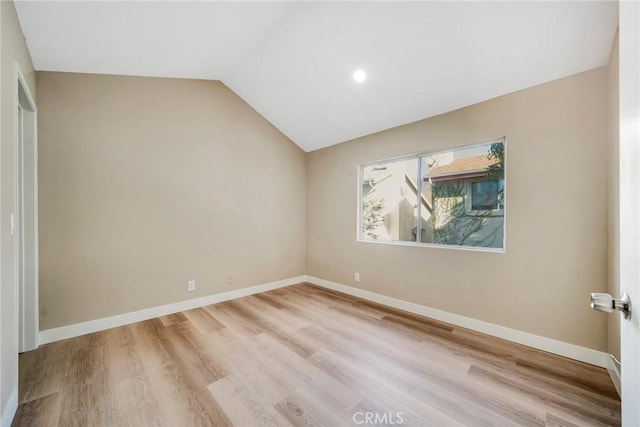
<point x="294" y="61"/>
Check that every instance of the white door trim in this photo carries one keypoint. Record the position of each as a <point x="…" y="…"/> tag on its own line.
<point x="27" y="296"/>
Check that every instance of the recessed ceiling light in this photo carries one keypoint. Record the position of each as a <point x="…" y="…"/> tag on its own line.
<point x="359" y="76"/>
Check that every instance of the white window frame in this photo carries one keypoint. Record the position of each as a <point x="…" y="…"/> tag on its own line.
<point x="503" y="211"/>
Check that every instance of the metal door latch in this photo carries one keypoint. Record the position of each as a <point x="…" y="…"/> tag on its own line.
<point x="608" y="304"/>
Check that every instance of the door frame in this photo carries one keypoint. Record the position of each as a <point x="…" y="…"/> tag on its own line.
<point x="27" y="290"/>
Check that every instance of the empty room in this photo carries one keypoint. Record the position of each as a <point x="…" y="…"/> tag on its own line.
<point x="330" y="213"/>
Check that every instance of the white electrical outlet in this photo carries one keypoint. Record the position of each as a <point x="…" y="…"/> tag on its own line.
<point x="191" y="285"/>
<point x="229" y="278"/>
<point x="357" y="277"/>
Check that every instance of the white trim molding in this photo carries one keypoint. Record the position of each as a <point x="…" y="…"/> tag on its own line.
<point x="78" y="329"/>
<point x="10" y="409"/>
<point x="28" y="301"/>
<point x="572" y="351"/>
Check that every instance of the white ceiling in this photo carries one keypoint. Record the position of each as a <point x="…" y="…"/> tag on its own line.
<point x="293" y="61"/>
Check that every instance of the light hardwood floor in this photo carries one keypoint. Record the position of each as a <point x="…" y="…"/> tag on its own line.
<point x="304" y="355"/>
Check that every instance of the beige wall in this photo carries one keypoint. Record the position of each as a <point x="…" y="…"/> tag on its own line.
<point x="614" y="229"/>
<point x="146" y="183"/>
<point x="13" y="51"/>
<point x="556" y="225"/>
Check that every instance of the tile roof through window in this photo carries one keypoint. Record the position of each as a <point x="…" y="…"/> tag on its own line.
<point x="462" y="166"/>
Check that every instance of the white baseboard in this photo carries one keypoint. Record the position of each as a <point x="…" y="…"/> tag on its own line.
<point x="572" y="351"/>
<point x="78" y="329"/>
<point x="10" y="409"/>
<point x="614" y="373"/>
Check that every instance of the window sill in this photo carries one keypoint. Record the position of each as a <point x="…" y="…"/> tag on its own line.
<point x="433" y="246"/>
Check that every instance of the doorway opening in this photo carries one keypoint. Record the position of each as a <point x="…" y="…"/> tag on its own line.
<point x="25" y="225"/>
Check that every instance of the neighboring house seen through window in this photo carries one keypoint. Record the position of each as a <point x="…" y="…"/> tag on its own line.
<point x="450" y="198"/>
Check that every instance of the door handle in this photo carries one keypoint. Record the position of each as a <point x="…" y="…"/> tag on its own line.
<point x="608" y="304"/>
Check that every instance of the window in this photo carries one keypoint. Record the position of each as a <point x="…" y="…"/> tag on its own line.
<point x="485" y="195"/>
<point x="451" y="198"/>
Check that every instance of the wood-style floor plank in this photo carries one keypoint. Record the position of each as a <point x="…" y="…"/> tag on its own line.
<point x="305" y="355"/>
